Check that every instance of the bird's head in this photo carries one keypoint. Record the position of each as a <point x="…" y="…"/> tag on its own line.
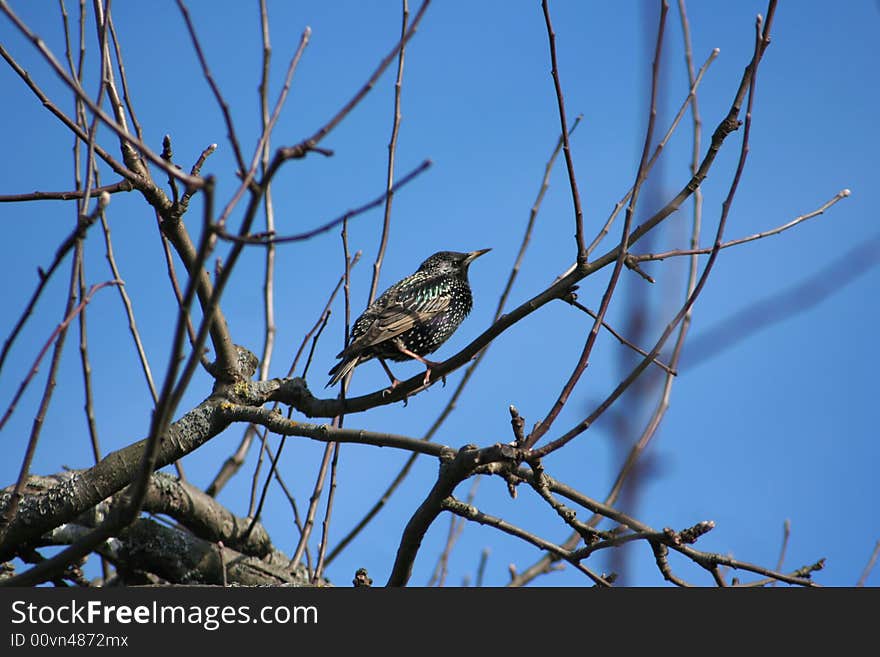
<point x="451" y="261"/>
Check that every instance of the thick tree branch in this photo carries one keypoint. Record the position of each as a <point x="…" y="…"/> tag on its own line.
<point x="179" y="557"/>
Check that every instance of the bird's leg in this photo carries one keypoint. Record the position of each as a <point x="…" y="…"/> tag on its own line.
<point x="429" y="364"/>
<point x="394" y="380"/>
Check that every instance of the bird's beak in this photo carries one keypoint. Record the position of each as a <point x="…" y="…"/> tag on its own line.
<point x="473" y="255"/>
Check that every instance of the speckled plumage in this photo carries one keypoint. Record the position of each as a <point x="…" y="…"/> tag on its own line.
<point x="418" y="313"/>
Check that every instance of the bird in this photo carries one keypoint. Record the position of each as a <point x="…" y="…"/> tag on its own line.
<point x="413" y="317"/>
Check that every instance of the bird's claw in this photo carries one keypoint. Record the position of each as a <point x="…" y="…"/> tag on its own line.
<point x="390" y="389"/>
<point x="427" y="378"/>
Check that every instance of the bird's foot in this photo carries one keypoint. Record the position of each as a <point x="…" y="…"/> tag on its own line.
<point x="428" y="376"/>
<point x="394" y="383"/>
<point x="390" y="389"/>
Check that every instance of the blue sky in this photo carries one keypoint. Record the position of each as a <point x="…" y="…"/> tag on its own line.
<point x="777" y="426"/>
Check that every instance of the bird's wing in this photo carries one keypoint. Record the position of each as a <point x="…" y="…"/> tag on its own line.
<point x="397" y="318"/>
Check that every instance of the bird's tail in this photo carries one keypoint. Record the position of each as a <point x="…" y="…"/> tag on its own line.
<point x="343" y="367"/>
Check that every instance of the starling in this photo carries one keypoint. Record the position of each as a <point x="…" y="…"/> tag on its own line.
<point x="413" y="317"/>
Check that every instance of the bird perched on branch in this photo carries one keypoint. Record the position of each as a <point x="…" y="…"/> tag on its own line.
<point x="413" y="317"/>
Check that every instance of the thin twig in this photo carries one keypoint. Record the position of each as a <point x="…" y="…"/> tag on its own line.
<point x="294" y="508"/>
<point x="392" y="146"/>
<point x="175" y="284"/>
<point x="269" y="208"/>
<point x="471" y="513"/>
<point x="324" y="318"/>
<point x="481" y="568"/>
<point x="325" y="526"/>
<point x="129" y="311"/>
<point x="663" y="366"/>
<point x="566" y="147"/>
<point x="800" y="577"/>
<point x="456" y="527"/>
<point x="255" y="514"/>
<point x="533" y="215"/>
<point x="206" y="71"/>
<point x="313" y="506"/>
<point x="89" y="406"/>
<point x="166" y="247"/>
<point x="102" y="18"/>
<point x="346" y="297"/>
<point x="786" y="533"/>
<point x="842" y="194"/>
<point x="121" y="186"/>
<point x="374" y="510"/>
<point x="196" y="171"/>
<point x="870" y="565"/>
<point x="122" y="77"/>
<point x="324" y="432"/>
